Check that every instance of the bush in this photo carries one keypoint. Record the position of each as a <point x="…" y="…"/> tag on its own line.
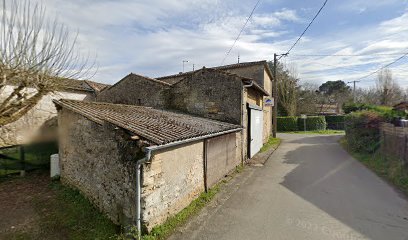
<point x="287" y="124"/>
<point x="363" y="131"/>
<point x="335" y="122"/>
<point x="313" y="123"/>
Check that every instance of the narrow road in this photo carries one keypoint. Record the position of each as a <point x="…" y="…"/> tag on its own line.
<point x="310" y="188"/>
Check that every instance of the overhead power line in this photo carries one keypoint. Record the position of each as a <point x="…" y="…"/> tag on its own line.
<point x="308" y="26"/>
<point x="240" y="32"/>
<point x="385" y="66"/>
<point x="345" y="55"/>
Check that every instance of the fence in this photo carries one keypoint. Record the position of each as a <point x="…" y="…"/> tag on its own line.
<point x="14" y="159"/>
<point x="394" y="142"/>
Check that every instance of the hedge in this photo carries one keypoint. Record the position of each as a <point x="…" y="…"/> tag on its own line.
<point x="335" y="122"/>
<point x="287" y="124"/>
<point x="363" y="130"/>
<point x="313" y="123"/>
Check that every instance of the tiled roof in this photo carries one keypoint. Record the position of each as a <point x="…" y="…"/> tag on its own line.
<point x="97" y="87"/>
<point x="71" y="84"/>
<point x="225" y="67"/>
<point x="157" y="126"/>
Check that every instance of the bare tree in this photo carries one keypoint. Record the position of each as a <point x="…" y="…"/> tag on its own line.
<point x="36" y="55"/>
<point x="389" y="92"/>
<point x="287" y="88"/>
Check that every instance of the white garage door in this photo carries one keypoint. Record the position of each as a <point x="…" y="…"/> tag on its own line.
<point x="255" y="129"/>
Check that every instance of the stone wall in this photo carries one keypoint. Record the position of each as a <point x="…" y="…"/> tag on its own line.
<point x="136" y="90"/>
<point x="39" y="119"/>
<point x="211" y="94"/>
<point x="171" y="181"/>
<point x="255" y="72"/>
<point x="100" y="162"/>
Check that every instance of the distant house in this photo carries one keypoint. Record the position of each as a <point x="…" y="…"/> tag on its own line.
<point x="39" y="119"/>
<point x="402" y="106"/>
<point x="327" y="109"/>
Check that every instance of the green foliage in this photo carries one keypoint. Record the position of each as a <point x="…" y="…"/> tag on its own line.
<point x="334" y="87"/>
<point x="313" y="123"/>
<point x="65" y="214"/>
<point x="272" y="142"/>
<point x="390" y="169"/>
<point x="363" y="131"/>
<point x="286" y="124"/>
<point x="387" y="112"/>
<point x="335" y="122"/>
<point x="74" y="214"/>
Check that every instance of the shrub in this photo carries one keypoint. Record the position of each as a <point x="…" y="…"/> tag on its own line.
<point x="313" y="123"/>
<point x="335" y="122"/>
<point x="286" y="124"/>
<point x="363" y="131"/>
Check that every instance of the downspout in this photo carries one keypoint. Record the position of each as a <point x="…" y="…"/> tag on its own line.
<point x="243" y="105"/>
<point x="138" y="191"/>
<point x="147" y="158"/>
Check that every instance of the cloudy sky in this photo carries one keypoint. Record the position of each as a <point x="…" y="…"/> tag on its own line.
<point x="153" y="37"/>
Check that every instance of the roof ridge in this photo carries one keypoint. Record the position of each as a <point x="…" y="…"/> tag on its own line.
<point x="151" y="79"/>
<point x="216" y="67"/>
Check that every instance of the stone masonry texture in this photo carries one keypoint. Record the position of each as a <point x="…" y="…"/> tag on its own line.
<point x="172" y="179"/>
<point x="100" y="162"/>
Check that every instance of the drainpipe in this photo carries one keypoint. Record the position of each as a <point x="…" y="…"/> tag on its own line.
<point x="138" y="191"/>
<point x="145" y="159"/>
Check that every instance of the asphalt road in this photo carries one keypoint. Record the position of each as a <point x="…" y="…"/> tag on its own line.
<point x="310" y="188"/>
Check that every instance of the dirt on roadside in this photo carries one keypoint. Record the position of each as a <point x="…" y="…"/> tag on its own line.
<point x="18" y="197"/>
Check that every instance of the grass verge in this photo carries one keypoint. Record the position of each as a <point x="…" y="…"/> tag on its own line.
<point x="59" y="212"/>
<point x="74" y="214"/>
<point x="166" y="229"/>
<point x="389" y="169"/>
<point x="326" y="132"/>
<point x="272" y="142"/>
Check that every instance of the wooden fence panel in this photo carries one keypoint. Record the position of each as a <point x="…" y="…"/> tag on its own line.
<point x="394" y="142"/>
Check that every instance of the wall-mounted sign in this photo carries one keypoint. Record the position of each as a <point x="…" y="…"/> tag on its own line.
<point x="269" y="101"/>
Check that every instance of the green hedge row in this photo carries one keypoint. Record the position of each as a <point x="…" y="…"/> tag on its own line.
<point x="313" y="123"/>
<point x="335" y="122"/>
<point x="363" y="130"/>
<point x="287" y="124"/>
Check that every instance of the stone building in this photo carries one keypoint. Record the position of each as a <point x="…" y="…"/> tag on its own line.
<point x="208" y="93"/>
<point x="145" y="148"/>
<point x="259" y="71"/>
<point x="40" y="122"/>
<point x="102" y="143"/>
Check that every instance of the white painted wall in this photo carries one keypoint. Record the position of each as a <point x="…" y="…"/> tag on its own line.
<point x="26" y="128"/>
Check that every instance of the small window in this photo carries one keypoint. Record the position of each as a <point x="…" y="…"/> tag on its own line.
<point x="139" y="102"/>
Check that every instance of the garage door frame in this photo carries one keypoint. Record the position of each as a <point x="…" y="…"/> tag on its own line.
<point x="255" y="129"/>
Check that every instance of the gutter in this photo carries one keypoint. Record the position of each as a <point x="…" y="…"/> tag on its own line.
<point x="147" y="158"/>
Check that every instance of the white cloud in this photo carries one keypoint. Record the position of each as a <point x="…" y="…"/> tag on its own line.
<point x="153" y="37"/>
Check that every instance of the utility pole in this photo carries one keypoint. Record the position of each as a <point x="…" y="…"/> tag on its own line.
<point x="354" y="89"/>
<point x="275" y="97"/>
<point x="275" y="93"/>
<point x="184" y="61"/>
